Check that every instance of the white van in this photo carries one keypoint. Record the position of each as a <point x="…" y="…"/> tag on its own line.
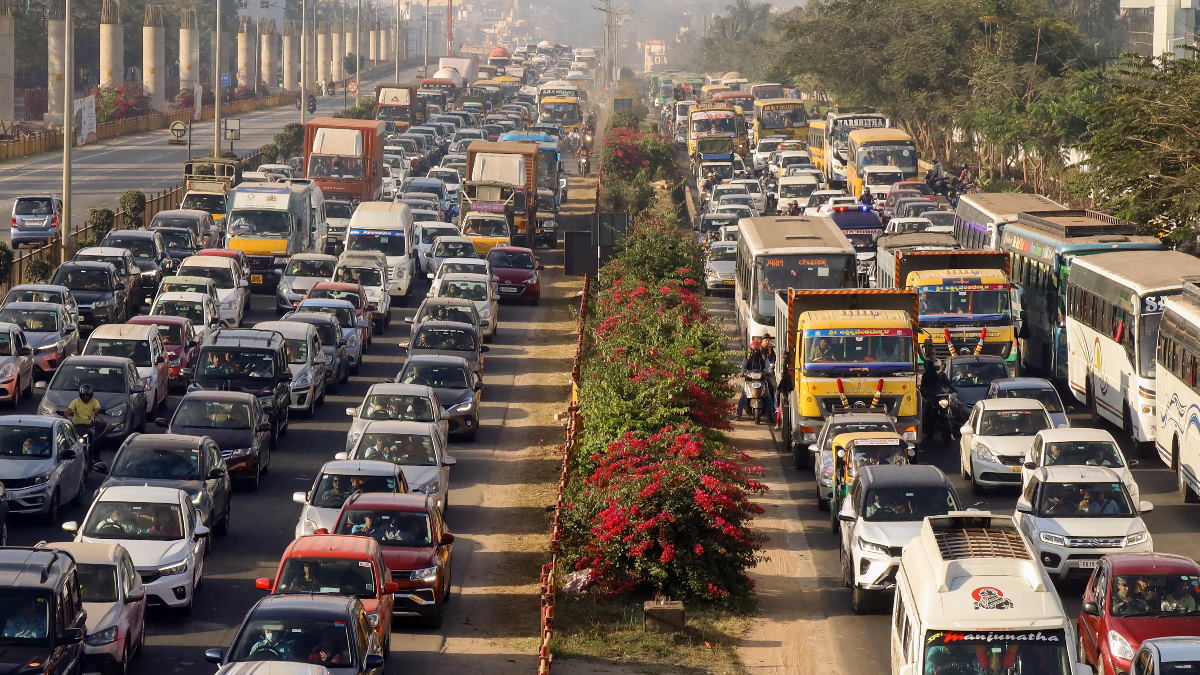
<point x="386" y="227"/>
<point x="970" y="590"/>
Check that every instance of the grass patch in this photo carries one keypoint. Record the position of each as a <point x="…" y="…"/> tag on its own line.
<point x="610" y="629"/>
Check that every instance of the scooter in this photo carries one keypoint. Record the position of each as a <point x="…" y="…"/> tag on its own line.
<point x="312" y="104"/>
<point x="91" y="436"/>
<point x="755" y="389"/>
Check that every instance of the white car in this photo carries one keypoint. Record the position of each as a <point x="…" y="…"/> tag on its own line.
<point x="467" y="266"/>
<point x="719" y="266"/>
<point x="996" y="437"/>
<point x="113" y="599"/>
<point x="335" y="482"/>
<point x="739" y="210"/>
<point x="451" y="178"/>
<point x="794" y="189"/>
<point x="479" y="289"/>
<point x="818" y="198"/>
<point x="337" y="218"/>
<point x="452" y="246"/>
<point x="198" y="308"/>
<point x="161" y="529"/>
<point x="762" y="151"/>
<point x="370" y="270"/>
<point x="233" y="287"/>
<point x="720" y="190"/>
<point x="418" y="448"/>
<point x="395" y="401"/>
<point x="303" y="271"/>
<point x="1074" y="515"/>
<point x="424" y="234"/>
<point x="834" y="202"/>
<point x="914" y="224"/>
<point x="738" y="199"/>
<point x="752" y="187"/>
<point x="141" y="344"/>
<point x="1078" y="446"/>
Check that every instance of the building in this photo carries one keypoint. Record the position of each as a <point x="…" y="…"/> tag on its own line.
<point x="1157" y="27"/>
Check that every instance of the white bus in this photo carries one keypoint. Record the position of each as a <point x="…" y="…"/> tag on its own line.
<point x="981" y="217"/>
<point x="386" y="227"/>
<point x="1177" y="396"/>
<point x="1114" y="306"/>
<point x="839" y="122"/>
<point x="802" y="252"/>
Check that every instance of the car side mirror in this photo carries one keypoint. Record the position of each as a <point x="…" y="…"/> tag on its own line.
<point x="374" y="661"/>
<point x="404" y="344"/>
<point x="429" y="276"/>
<point x="215" y="655"/>
<point x="1023" y="506"/>
<point x="135" y="595"/>
<point x="965" y="429"/>
<point x="216" y="473"/>
<point x="201" y="532"/>
<point x="244" y="283"/>
<point x="449" y="461"/>
<point x="341" y="455"/>
<point x="300" y="497"/>
<point x="264" y="584"/>
<point x="1133" y="463"/>
<point x="1030" y="465"/>
<point x="478" y="386"/>
<point x="447" y="538"/>
<point x="485" y="348"/>
<point x="1091" y="608"/>
<point x="265" y="426"/>
<point x="187" y="372"/>
<point x="1145" y="507"/>
<point x="70" y="526"/>
<point x="40" y="386"/>
<point x="100" y="467"/>
<point x="390" y="587"/>
<point x="70" y="636"/>
<point x="24" y="351"/>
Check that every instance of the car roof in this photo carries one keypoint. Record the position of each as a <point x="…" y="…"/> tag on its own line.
<point x="326" y="302"/>
<point x="904" y="475"/>
<point x="1073" y="473"/>
<point x="43" y="421"/>
<point x="399" y="388"/>
<point x="244" y="337"/>
<point x="106" y="251"/>
<point x="172" y="441"/>
<point x="457" y="325"/>
<point x="180" y="213"/>
<point x="437" y="359"/>
<point x="314" y="256"/>
<point x="312" y="603"/>
<point x="137" y="234"/>
<point x="94" y="360"/>
<point x="466" y="276"/>
<point x="208" y="261"/>
<point x="124" y="331"/>
<point x="468" y="261"/>
<point x="40" y="287"/>
<point x="187" y="279"/>
<point x="33" y="305"/>
<point x="1075" y="434"/>
<point x="401" y="427"/>
<point x="1175" y="648"/>
<point x="139" y="493"/>
<point x="396" y="501"/>
<point x="359" y="467"/>
<point x="88" y="264"/>
<point x="512" y="249"/>
<point x="332" y="546"/>
<point x="288" y="329"/>
<point x="32" y="567"/>
<point x="193" y="296"/>
<point x="443" y="300"/>
<point x="1006" y="383"/>
<point x="87" y="552"/>
<point x="311" y="317"/>
<point x="1011" y="404"/>
<point x="220" y="396"/>
<point x="456" y="238"/>
<point x="158" y="319"/>
<point x="1165" y="563"/>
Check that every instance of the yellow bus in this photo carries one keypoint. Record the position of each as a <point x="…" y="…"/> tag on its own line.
<point x="710" y="90"/>
<point x="780" y="117"/>
<point x="816" y="142"/>
<point x="716" y="120"/>
<point x="564" y="110"/>
<point x="879" y="147"/>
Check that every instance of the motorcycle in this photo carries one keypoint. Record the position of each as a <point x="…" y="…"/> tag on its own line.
<point x="755" y="389"/>
<point x="584" y="165"/>
<point x="90" y="436"/>
<point x="312" y="104"/>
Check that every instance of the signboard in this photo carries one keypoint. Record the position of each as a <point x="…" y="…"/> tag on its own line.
<point x="264" y="198"/>
<point x="870" y="122"/>
<point x="232" y="129"/>
<point x="393" y="96"/>
<point x="352" y="87"/>
<point x="84" y="121"/>
<point x="226" y="80"/>
<point x="622" y="104"/>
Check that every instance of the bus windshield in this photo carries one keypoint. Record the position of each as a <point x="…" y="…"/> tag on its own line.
<point x="255" y="223"/>
<point x="1147" y="340"/>
<point x="902" y="154"/>
<point x="713" y="123"/>
<point x="949" y="305"/>
<point x="838" y="352"/>
<point x="783" y="117"/>
<point x="563" y="113"/>
<point x="777" y="272"/>
<point x="1017" y="651"/>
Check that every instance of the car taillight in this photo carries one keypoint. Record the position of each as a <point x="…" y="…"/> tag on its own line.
<point x="54" y="219"/>
<point x="14" y="220"/>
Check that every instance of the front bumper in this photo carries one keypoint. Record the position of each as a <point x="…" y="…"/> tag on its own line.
<point x="170" y="591"/>
<point x="100" y="657"/>
<point x="301" y="399"/>
<point x="263" y="273"/>
<point x="461" y="423"/>
<point x="874" y="571"/>
<point x="1068" y="561"/>
<point x="414" y="597"/>
<point x="48" y="362"/>
<point x="242" y="466"/>
<point x="29" y="500"/>
<point x="287" y="301"/>
<point x="996" y="474"/>
<point x="511" y="291"/>
<point x="90" y="317"/>
<point x="718" y="283"/>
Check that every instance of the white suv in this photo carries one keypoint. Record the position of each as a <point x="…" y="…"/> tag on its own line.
<point x="996" y="438"/>
<point x="1074" y="515"/>
<point x="1078" y="446"/>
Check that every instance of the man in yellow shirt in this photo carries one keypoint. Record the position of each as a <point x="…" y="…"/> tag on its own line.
<point x="83" y="412"/>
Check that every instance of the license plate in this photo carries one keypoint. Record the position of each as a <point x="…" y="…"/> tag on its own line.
<point x="509" y="289"/>
<point x="256" y="278"/>
<point x="1017" y="469"/>
<point x="1086" y="564"/>
<point x="728" y="282"/>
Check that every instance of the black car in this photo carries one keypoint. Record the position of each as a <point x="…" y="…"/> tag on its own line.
<point x="250" y="361"/>
<point x="966" y="379"/>
<point x="457" y="387"/>
<point x="128" y="272"/>
<point x="180" y="242"/>
<point x="315" y="624"/>
<point x="150" y="252"/>
<point x="190" y="463"/>
<point x="97" y="289"/>
<point x="39" y="599"/>
<point x="237" y="423"/>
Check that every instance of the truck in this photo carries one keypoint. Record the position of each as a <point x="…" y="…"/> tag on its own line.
<point x="964" y="297"/>
<point x="465" y="65"/>
<point x="344" y="157"/>
<point x="399" y="104"/>
<point x="207" y="181"/>
<point x="846" y="349"/>
<point x="504" y="174"/>
<point x="270" y="224"/>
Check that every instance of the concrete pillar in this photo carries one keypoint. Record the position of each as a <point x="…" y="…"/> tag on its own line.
<point x="267" y="53"/>
<point x="56" y="78"/>
<point x="189" y="52"/>
<point x="337" y="52"/>
<point x="373" y="44"/>
<point x="310" y="57"/>
<point x="245" y="53"/>
<point x="323" y="56"/>
<point x="112" y="45"/>
<point x="154" y="58"/>
<point x="291" y="57"/>
<point x="8" y="69"/>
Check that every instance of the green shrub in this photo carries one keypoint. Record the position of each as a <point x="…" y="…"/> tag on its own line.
<point x="100" y="222"/>
<point x="270" y="153"/>
<point x="133" y="203"/>
<point x="38" y="270"/>
<point x="290" y="141"/>
<point x="6" y="261"/>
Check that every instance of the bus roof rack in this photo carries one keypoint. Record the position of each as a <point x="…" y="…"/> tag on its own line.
<point x="1191" y="288"/>
<point x="977" y="535"/>
<point x="852" y="109"/>
<point x="1070" y="224"/>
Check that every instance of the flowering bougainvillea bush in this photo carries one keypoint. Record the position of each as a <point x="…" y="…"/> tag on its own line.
<point x="627" y="153"/>
<point x="120" y="103"/>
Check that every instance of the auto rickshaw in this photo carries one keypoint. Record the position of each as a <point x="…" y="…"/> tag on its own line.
<point x="852" y="451"/>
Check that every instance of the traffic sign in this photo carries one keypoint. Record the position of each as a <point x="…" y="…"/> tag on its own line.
<point x="352" y="87"/>
<point x="226" y="80"/>
<point x="178" y="129"/>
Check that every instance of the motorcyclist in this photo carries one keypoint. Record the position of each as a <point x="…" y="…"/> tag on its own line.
<point x="84" y="412"/>
<point x="585" y="156"/>
<point x="866" y="197"/>
<point x="931" y="390"/>
<point x="756" y="360"/>
<point x="793" y="208"/>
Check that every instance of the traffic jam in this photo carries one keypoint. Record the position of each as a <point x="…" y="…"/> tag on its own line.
<point x="963" y="381"/>
<point x="153" y="392"/>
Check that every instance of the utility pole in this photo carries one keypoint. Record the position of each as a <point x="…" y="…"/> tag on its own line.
<point x="610" y="37"/>
<point x="396" y="42"/>
<point x="358" y="52"/>
<point x="216" y="86"/>
<point x="304" y="57"/>
<point x="69" y="131"/>
<point x="426" y="71"/>
<point x="449" y="27"/>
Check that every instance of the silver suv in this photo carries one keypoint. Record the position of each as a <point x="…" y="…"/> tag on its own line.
<point x="36" y="219"/>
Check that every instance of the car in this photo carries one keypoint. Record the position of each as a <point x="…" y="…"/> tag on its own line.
<point x="518" y="273"/>
<point x="3" y="516"/>
<point x="100" y="292"/>
<point x="392" y="401"/>
<point x="117" y="385"/>
<point x="913" y="208"/>
<point x="450" y="338"/>
<point x="884" y="512"/>
<point x="356" y="295"/>
<point x="301" y="273"/>
<point x="915" y="224"/>
<point x="333" y="346"/>
<point x="464" y="266"/>
<point x="149" y="253"/>
<point x="339" y="565"/>
<point x="129" y="275"/>
<point x="200" y="223"/>
<point x="965" y="380"/>
<point x="43" y="464"/>
<point x="229" y="278"/>
<point x="142" y="345"/>
<point x="718" y="191"/>
<point x="1077" y="446"/>
<point x="355" y="330"/>
<point x="236" y="422"/>
<point x="198" y="309"/>
<point x="180" y="242"/>
<point x="819" y="455"/>
<point x="46" y="329"/>
<point x="312" y="621"/>
<point x="337" y="217"/>
<point x="39" y="587"/>
<point x="305" y="359"/>
<point x="418" y="548"/>
<point x="996" y="438"/>
<point x="16" y="364"/>
<point x="888" y="208"/>
<point x="1031" y="387"/>
<point x="36" y="219"/>
<point x="454" y="246"/>
<point x="252" y="361"/>
<point x="55" y="295"/>
<point x="162" y="531"/>
<point x="1165" y="655"/>
<point x="190" y="463"/>
<point x="450" y="178"/>
<point x="474" y="287"/>
<point x="418" y="448"/>
<point x="371" y="271"/>
<point x="719" y="262"/>
<point x="457" y="387"/>
<point x="766" y="145"/>
<point x="190" y="284"/>
<point x="710" y="224"/>
<point x="736" y="199"/>
<point x="179" y="339"/>
<point x="486" y="230"/>
<point x="114" y="601"/>
<point x="1074" y="515"/>
<point x="817" y="200"/>
<point x="738" y="210"/>
<point x="425" y="233"/>
<point x="445" y="309"/>
<point x="337" y="480"/>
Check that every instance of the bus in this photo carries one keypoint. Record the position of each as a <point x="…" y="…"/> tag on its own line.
<point x="879" y="147"/>
<point x="566" y="111"/>
<point x="1177" y="395"/>
<point x="981" y="217"/>
<point x="716" y="120"/>
<point x="1114" y="307"/>
<point x="816" y="142"/>
<point x="780" y="117"/>
<point x="779" y="253"/>
<point x="1041" y="246"/>
<point x="839" y="122"/>
<point x="740" y="100"/>
<point x="766" y="90"/>
<point x="560" y="89"/>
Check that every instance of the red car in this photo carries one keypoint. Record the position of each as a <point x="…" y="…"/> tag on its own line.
<point x="417" y="546"/>
<point x="518" y="272"/>
<point x="1133" y="597"/>
<point x="352" y="293"/>
<point x="237" y="255"/>
<point x="179" y="339"/>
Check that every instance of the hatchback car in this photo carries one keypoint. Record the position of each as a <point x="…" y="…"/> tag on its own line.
<point x="333" y="346"/>
<point x="474" y="287"/>
<point x="140" y="344"/>
<point x="302" y="271"/>
<point x="452" y="246"/>
<point x="149" y="252"/>
<point x="35" y="219"/>
<point x="1032" y="387"/>
<point x="117" y="385"/>
<point x="518" y="273"/>
<point x="229" y="278"/>
<point x="462" y="266"/>
<point x="369" y="271"/>
<point x="129" y="275"/>
<point x="418" y="448"/>
<point x="425" y="234"/>
<point x="305" y="359"/>
<point x="55" y="295"/>
<point x="46" y="329"/>
<point x="719" y="263"/>
<point x="445" y="309"/>
<point x="100" y="292"/>
<point x="966" y="380"/>
<point x="197" y="308"/>
<point x="392" y="401"/>
<point x="336" y="481"/>
<point x="355" y="331"/>
<point x="355" y="294"/>
<point x="43" y="464"/>
<point x="236" y="422"/>
<point x="180" y="341"/>
<point x="457" y="386"/>
<point x="997" y="436"/>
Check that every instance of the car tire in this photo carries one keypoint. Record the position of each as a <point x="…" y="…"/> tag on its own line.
<point x="287" y="422"/>
<point x="53" y="510"/>
<point x="117" y="667"/>
<point x="221" y="527"/>
<point x="473" y="434"/>
<point x="862" y="601"/>
<point x="4" y="533"/>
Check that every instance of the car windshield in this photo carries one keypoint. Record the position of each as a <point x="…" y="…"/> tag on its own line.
<point x="367" y="276"/>
<point x="25" y="442"/>
<point x="463" y="267"/>
<point x="976" y="374"/>
<point x="470" y="290"/>
<point x="1046" y="396"/>
<point x="796" y="190"/>
<point x="722" y="253"/>
<point x="174" y="238"/>
<point x="438" y="377"/>
<point x="1012" y="422"/>
<point x="389" y="243"/>
<point x="837" y="352"/>
<point x="184" y="287"/>
<point x="310" y="268"/>
<point x="83" y="279"/>
<point x="437" y="312"/>
<point x="517" y="260"/>
<point x="1157" y="595"/>
<point x="334" y="576"/>
<point x="1084" y="500"/>
<point x="1090" y="453"/>
<point x="32" y="320"/>
<point x="29" y="206"/>
<point x="296" y="350"/>
<point x="344" y="315"/>
<point x="389" y="528"/>
<point x="454" y="339"/>
<point x="333" y="489"/>
<point x="201" y="202"/>
<point x="232" y="364"/>
<point x="1009" y="651"/>
<point x="402" y="449"/>
<point x="338" y="209"/>
<point x="455" y="249"/>
<point x="24" y="616"/>
<point x="69" y="376"/>
<point x="192" y="310"/>
<point x="222" y="277"/>
<point x="321" y="642"/>
<point x="34" y="295"/>
<point x="137" y="351"/>
<point x="157" y="463"/>
<point x="485" y="227"/>
<point x="150" y="521"/>
<point x="170" y="333"/>
<point x="97" y="583"/>
<point x="407" y="407"/>
<point x="884" y="504"/>
<point x="212" y="415"/>
<point x="142" y="247"/>
<point x="451" y="177"/>
<point x="168" y="221"/>
<point x="428" y="234"/>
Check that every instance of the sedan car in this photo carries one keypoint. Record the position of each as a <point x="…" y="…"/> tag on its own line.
<point x="445" y="309"/>
<point x="448" y="338"/>
<point x="997" y="436"/>
<point x="457" y="387"/>
<point x="966" y="380"/>
<point x="118" y="388"/>
<point x="392" y="401"/>
<point x="1080" y="447"/>
<point x="474" y="287"/>
<point x="55" y="295"/>
<point x="719" y="266"/>
<point x="16" y="364"/>
<point x="228" y="276"/>
<point x="518" y="272"/>
<point x="336" y="481"/>
<point x="180" y="242"/>
<point x="43" y="464"/>
<point x="236" y="422"/>
<point x="448" y="246"/>
<point x="301" y="273"/>
<point x="1031" y="387"/>
<point x="418" y="448"/>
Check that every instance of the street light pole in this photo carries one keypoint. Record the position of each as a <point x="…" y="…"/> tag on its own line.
<point x="304" y="57"/>
<point x="69" y="130"/>
<point x="216" y="86"/>
<point x="426" y="38"/>
<point x="358" y="52"/>
<point x="396" y="41"/>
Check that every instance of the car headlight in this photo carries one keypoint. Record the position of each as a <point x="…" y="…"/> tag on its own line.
<point x="426" y="574"/>
<point x="871" y="546"/>
<point x="1137" y="538"/>
<point x="174" y="568"/>
<point x="103" y="636"/>
<point x="241" y="452"/>
<point x="373" y="617"/>
<point x="118" y="410"/>
<point x="284" y="288"/>
<point x="43" y="478"/>
<point x="432" y="487"/>
<point x="1053" y="539"/>
<point x="302" y="382"/>
<point x="102" y="303"/>
<point x="44" y="349"/>
<point x="532" y="278"/>
<point x="8" y="370"/>
<point x="352" y="340"/>
<point x="985" y="453"/>
<point x="1118" y="646"/>
<point x="462" y="406"/>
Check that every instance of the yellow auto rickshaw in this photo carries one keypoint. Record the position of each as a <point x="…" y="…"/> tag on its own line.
<point x="854" y="451"/>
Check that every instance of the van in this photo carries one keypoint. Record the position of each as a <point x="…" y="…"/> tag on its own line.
<point x="971" y="590"/>
<point x="386" y="227"/>
<point x="142" y="345"/>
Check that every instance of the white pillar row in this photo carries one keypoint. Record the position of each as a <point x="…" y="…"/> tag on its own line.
<point x="112" y="45"/>
<point x="8" y="66"/>
<point x="291" y="57"/>
<point x="189" y="53"/>
<point x="245" y="52"/>
<point x="373" y="44"/>
<point x="323" y="56"/>
<point x="56" y="78"/>
<point x="267" y="52"/>
<point x="337" y="51"/>
<point x="154" y="58"/>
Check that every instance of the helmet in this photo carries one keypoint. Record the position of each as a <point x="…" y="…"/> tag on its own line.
<point x="85" y="391"/>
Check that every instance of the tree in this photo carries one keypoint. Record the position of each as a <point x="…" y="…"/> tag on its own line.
<point x="737" y="39"/>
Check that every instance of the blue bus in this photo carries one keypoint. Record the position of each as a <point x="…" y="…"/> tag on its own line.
<point x="1041" y="245"/>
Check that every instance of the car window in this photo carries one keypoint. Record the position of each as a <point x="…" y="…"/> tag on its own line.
<point x="33" y="320"/>
<point x="335" y="576"/>
<point x="157" y="463"/>
<point x="389" y="528"/>
<point x="1084" y="500"/>
<point x="321" y="642"/>
<point x="407" y="407"/>
<point x="84" y="279"/>
<point x="137" y="351"/>
<point x="333" y="489"/>
<point x="25" y="442"/>
<point x="135" y="520"/>
<point x="1090" y="453"/>
<point x="438" y="377"/>
<point x="69" y="376"/>
<point x="402" y="449"/>
<point x="444" y="338"/>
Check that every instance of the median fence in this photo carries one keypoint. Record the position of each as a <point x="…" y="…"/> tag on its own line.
<point x="549" y="575"/>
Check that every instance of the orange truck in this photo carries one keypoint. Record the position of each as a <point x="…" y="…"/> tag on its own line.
<point x="503" y="174"/>
<point x="344" y="157"/>
<point x="399" y="104"/>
